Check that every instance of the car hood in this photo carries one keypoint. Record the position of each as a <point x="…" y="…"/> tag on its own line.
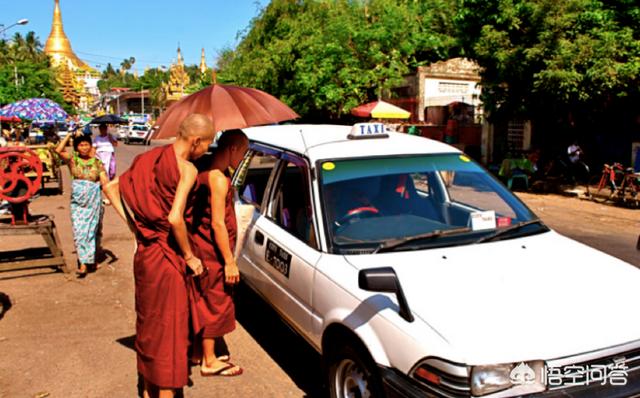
<point x="539" y="297"/>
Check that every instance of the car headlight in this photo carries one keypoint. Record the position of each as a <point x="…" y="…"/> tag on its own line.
<point x="527" y="377"/>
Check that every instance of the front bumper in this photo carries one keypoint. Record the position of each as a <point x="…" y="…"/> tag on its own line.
<point x="398" y="385"/>
<point x="631" y="389"/>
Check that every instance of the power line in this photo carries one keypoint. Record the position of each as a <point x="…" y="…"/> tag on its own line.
<point x="123" y="58"/>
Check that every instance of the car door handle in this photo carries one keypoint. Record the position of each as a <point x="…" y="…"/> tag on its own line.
<point x="259" y="238"/>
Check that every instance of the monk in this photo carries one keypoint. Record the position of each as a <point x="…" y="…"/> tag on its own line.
<point x="213" y="233"/>
<point x="152" y="196"/>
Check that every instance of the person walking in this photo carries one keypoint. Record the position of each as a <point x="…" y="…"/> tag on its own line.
<point x="88" y="176"/>
<point x="104" y="146"/>
<point x="213" y="233"/>
<point x="152" y="196"/>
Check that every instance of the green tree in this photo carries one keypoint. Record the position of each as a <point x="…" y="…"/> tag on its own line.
<point x="25" y="71"/>
<point x="554" y="59"/>
<point x="325" y="57"/>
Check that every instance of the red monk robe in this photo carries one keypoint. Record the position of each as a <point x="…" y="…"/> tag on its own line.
<point x="162" y="306"/>
<point x="216" y="311"/>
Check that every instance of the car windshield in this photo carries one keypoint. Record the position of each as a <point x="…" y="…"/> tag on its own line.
<point x="409" y="202"/>
<point x="140" y="128"/>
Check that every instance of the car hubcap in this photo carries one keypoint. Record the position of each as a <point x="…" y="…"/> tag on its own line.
<point x="350" y="381"/>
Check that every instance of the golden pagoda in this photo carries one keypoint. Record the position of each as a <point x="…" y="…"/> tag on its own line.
<point x="58" y="46"/>
<point x="203" y="63"/>
<point x="77" y="79"/>
<point x="173" y="90"/>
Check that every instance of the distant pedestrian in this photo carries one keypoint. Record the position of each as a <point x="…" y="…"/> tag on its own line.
<point x="88" y="175"/>
<point x="104" y="145"/>
<point x="213" y="233"/>
<point x="578" y="169"/>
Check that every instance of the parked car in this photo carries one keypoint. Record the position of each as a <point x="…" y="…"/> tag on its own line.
<point x="123" y="129"/>
<point x="416" y="273"/>
<point x="137" y="133"/>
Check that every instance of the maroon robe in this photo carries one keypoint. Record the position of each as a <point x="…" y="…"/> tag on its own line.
<point x="162" y="304"/>
<point x="215" y="309"/>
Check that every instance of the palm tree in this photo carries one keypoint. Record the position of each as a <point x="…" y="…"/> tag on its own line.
<point x="127" y="64"/>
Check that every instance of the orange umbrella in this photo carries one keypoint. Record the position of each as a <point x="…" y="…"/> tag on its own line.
<point x="228" y="107"/>
<point x="380" y="110"/>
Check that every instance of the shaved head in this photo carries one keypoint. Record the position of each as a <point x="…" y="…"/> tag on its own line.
<point x="196" y="125"/>
<point x="232" y="137"/>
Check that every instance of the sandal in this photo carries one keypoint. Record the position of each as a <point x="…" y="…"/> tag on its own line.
<point x="81" y="272"/>
<point x="229" y="370"/>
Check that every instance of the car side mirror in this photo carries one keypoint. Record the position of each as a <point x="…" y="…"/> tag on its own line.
<point x="385" y="280"/>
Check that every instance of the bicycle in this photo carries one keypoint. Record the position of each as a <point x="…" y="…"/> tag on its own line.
<point x="606" y="186"/>
<point x="631" y="187"/>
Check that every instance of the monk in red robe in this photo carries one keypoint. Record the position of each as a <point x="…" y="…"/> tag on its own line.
<point x="152" y="196"/>
<point x="213" y="233"/>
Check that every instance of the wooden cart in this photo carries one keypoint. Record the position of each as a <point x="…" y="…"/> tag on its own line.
<point x="51" y="170"/>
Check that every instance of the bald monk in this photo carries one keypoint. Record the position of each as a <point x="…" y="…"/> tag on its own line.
<point x="213" y="233"/>
<point x="155" y="191"/>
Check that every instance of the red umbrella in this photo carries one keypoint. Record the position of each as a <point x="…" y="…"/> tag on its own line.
<point x="229" y="107"/>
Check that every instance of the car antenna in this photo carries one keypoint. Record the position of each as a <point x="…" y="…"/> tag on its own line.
<point x="306" y="152"/>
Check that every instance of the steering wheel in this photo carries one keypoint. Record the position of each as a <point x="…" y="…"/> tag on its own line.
<point x="358" y="213"/>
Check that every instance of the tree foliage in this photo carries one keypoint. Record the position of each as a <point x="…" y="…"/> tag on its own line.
<point x="25" y="71"/>
<point x="555" y="57"/>
<point x="325" y="57"/>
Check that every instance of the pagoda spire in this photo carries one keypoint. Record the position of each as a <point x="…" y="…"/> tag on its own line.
<point x="203" y="63"/>
<point x="58" y="46"/>
<point x="179" y="62"/>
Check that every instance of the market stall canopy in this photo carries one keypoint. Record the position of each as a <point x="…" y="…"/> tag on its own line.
<point x="228" y="107"/>
<point x="9" y="119"/>
<point x="35" y="109"/>
<point x="380" y="110"/>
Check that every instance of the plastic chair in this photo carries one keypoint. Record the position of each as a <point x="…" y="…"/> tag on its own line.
<point x="519" y="176"/>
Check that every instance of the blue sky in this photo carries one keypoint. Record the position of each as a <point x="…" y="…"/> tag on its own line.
<point x="110" y="30"/>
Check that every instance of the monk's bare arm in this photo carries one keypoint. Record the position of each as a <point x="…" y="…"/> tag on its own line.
<point x="188" y="175"/>
<point x="219" y="186"/>
<point x="112" y="190"/>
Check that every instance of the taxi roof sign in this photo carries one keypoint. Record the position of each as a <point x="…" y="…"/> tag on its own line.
<point x="367" y="130"/>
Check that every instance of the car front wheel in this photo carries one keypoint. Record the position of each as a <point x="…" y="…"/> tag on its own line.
<point x="352" y="374"/>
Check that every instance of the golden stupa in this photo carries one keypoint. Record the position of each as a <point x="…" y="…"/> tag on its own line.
<point x="174" y="89"/>
<point x="58" y="46"/>
<point x="203" y="63"/>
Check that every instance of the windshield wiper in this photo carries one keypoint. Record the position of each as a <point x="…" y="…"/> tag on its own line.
<point x="393" y="243"/>
<point x="511" y="228"/>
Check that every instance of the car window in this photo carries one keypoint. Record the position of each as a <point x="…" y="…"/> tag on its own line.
<point x="252" y="176"/>
<point x="370" y="202"/>
<point x="291" y="202"/>
<point x="465" y="189"/>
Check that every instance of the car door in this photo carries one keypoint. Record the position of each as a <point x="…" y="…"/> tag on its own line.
<point x="251" y="181"/>
<point x="281" y="243"/>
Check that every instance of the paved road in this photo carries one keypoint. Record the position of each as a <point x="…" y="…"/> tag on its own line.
<point x="73" y="338"/>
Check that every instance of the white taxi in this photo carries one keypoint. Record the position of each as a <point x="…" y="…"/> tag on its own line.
<point x="415" y="273"/>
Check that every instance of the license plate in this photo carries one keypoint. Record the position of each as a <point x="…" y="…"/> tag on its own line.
<point x="278" y="258"/>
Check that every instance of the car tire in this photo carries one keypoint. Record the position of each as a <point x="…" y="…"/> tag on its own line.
<point x="351" y="372"/>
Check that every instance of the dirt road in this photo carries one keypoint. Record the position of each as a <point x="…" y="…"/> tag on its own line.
<point x="67" y="337"/>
